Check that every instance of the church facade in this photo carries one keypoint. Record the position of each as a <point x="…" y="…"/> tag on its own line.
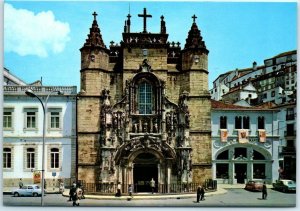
<point x="144" y="109"/>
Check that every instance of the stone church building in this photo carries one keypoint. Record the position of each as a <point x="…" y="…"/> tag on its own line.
<point x="144" y="109"/>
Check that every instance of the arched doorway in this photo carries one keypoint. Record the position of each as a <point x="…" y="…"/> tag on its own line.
<point x="145" y="168"/>
<point x="240" y="163"/>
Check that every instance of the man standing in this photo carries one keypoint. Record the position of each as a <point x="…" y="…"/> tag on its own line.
<point x="20" y="183"/>
<point x="202" y="192"/>
<point x="152" y="184"/>
<point x="118" y="194"/>
<point x="198" y="193"/>
<point x="130" y="191"/>
<point x="264" y="191"/>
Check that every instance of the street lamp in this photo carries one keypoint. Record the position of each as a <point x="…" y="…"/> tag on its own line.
<point x="30" y="93"/>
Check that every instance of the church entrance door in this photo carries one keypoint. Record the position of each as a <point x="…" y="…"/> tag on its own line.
<point x="145" y="168"/>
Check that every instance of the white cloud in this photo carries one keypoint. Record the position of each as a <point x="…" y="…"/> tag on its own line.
<point x="26" y="33"/>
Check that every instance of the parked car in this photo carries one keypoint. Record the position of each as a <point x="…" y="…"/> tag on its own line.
<point x="254" y="185"/>
<point x="27" y="190"/>
<point x="285" y="185"/>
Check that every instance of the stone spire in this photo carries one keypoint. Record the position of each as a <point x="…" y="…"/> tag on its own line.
<point x="163" y="28"/>
<point x="128" y="23"/>
<point x="94" y="37"/>
<point x="194" y="39"/>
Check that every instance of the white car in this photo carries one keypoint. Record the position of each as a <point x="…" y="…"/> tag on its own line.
<point x="27" y="190"/>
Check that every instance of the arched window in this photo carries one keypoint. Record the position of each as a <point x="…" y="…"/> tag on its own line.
<point x="258" y="156"/>
<point x="223" y="122"/>
<point x="54" y="158"/>
<point x="6" y="158"/>
<point x="223" y="155"/>
<point x="246" y="122"/>
<point x="145" y="98"/>
<point x="30" y="158"/>
<point x="238" y="122"/>
<point x="261" y="122"/>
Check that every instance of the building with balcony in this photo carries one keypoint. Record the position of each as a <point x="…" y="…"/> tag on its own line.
<point x="287" y="127"/>
<point x="23" y="132"/>
<point x="274" y="81"/>
<point x="245" y="143"/>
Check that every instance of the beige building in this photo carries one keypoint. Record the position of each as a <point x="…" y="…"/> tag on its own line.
<point x="144" y="110"/>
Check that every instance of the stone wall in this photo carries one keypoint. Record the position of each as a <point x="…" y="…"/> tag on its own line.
<point x="157" y="58"/>
<point x="88" y="117"/>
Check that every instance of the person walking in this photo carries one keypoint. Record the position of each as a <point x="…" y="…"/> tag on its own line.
<point x="118" y="194"/>
<point x="198" y="193"/>
<point x="152" y="184"/>
<point x="202" y="192"/>
<point x="264" y="191"/>
<point x="130" y="191"/>
<point x="78" y="194"/>
<point x="74" y="195"/>
<point x="20" y="183"/>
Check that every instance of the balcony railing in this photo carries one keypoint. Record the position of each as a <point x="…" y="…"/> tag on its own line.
<point x="110" y="188"/>
<point x="290" y="116"/>
<point x="290" y="133"/>
<point x="39" y="90"/>
<point x="287" y="150"/>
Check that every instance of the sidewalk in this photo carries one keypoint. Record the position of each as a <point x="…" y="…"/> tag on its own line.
<point x="140" y="196"/>
<point x="221" y="190"/>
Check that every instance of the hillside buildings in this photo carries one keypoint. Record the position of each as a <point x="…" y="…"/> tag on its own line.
<point x="273" y="82"/>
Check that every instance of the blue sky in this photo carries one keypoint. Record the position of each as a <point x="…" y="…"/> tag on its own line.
<point x="42" y="39"/>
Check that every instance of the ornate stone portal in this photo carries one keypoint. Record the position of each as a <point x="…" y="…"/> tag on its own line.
<point x="162" y="132"/>
<point x="144" y="110"/>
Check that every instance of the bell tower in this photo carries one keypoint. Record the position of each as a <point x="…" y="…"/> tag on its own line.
<point x="94" y="61"/>
<point x="195" y="82"/>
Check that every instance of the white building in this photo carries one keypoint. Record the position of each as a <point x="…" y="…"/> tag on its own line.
<point x="245" y="143"/>
<point x="23" y="132"/>
<point x="287" y="126"/>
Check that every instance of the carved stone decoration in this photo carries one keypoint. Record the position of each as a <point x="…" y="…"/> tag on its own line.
<point x="112" y="163"/>
<point x="171" y="122"/>
<point x="106" y="118"/>
<point x="184" y="163"/>
<point x="145" y="67"/>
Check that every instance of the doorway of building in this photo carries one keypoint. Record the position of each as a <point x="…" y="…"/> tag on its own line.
<point x="145" y="168"/>
<point x="240" y="172"/>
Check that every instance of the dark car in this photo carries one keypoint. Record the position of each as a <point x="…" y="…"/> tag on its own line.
<point x="285" y="185"/>
<point x="254" y="185"/>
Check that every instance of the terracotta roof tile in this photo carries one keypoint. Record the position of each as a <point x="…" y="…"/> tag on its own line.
<point x="218" y="105"/>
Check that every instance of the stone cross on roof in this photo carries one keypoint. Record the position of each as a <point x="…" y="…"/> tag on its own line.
<point x="194" y="18"/>
<point x="145" y="16"/>
<point x="94" y="14"/>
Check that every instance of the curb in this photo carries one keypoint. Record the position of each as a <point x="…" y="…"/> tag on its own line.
<point x="147" y="197"/>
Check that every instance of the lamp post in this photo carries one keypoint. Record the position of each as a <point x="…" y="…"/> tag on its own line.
<point x="30" y="93"/>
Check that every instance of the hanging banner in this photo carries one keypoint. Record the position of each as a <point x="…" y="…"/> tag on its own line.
<point x="36" y="177"/>
<point x="262" y="135"/>
<point x="224" y="135"/>
<point x="243" y="136"/>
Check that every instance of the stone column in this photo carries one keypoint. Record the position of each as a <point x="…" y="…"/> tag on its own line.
<point x="232" y="180"/>
<point x="249" y="171"/>
<point x="158" y="178"/>
<point x="168" y="176"/>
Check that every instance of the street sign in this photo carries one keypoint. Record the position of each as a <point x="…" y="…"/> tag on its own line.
<point x="36" y="177"/>
<point x="53" y="174"/>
